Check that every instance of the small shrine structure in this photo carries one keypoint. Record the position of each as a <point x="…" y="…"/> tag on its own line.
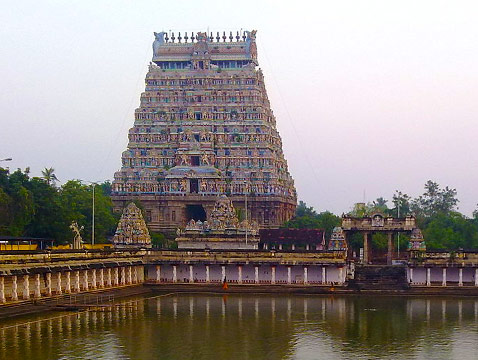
<point x="132" y="230"/>
<point x="379" y="223"/>
<point x="222" y="231"/>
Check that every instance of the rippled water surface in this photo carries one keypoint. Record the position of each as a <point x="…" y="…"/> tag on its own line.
<point x="252" y="327"/>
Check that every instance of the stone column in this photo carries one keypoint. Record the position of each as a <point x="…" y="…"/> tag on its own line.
<point x="48" y="284"/>
<point x="26" y="287"/>
<point x="280" y="246"/>
<point x="116" y="280"/>
<point x="59" y="290"/>
<point x="293" y="247"/>
<point x="86" y="286"/>
<point x="289" y="275"/>
<point x="428" y="277"/>
<point x="2" y="290"/>
<point x="191" y="273"/>
<point x="223" y="270"/>
<point x="109" y="278"/>
<point x="68" y="282"/>
<point x="93" y="279"/>
<point x="390" y="248"/>
<point x="130" y="276"/>
<point x="37" y="290"/>
<point x="341" y="275"/>
<point x="135" y="275"/>
<point x="476" y="277"/>
<point x="411" y="275"/>
<point x="175" y="274"/>
<point x="14" y="288"/>
<point x="460" y="277"/>
<point x="273" y="274"/>
<point x="158" y="273"/>
<point x="123" y="275"/>
<point x="307" y="247"/>
<point x="306" y="280"/>
<point x="239" y="274"/>
<point x="324" y="275"/>
<point x="102" y="278"/>
<point x="77" y="281"/>
<point x="207" y="273"/>
<point x="443" y="280"/>
<point x="256" y="274"/>
<point x="365" y="248"/>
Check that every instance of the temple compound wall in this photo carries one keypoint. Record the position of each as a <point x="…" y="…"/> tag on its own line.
<point x="205" y="128"/>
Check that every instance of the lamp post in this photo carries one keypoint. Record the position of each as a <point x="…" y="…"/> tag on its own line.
<point x="93" y="183"/>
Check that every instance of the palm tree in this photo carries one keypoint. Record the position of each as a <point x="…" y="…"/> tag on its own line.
<point x="49" y="176"/>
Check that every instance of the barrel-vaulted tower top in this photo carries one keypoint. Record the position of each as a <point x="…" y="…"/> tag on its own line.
<point x="208" y="49"/>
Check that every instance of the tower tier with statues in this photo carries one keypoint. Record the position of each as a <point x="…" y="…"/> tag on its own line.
<point x="205" y="128"/>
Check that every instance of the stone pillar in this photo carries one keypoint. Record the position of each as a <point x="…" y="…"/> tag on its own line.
<point x="280" y="246"/>
<point x="116" y="280"/>
<point x="59" y="290"/>
<point x="411" y="275"/>
<point x="86" y="286"/>
<point x="256" y="274"/>
<point x="191" y="273"/>
<point x="265" y="247"/>
<point x="14" y="288"/>
<point x="390" y="248"/>
<point x="207" y="273"/>
<point x="2" y="290"/>
<point x="289" y="275"/>
<point x="239" y="274"/>
<point x="365" y="248"/>
<point x="307" y="247"/>
<point x="26" y="287"/>
<point x="158" y="273"/>
<point x="476" y="277"/>
<point x="223" y="270"/>
<point x="293" y="247"/>
<point x="305" y="275"/>
<point x="93" y="279"/>
<point x="77" y="281"/>
<point x="130" y="276"/>
<point x="324" y="275"/>
<point x="273" y="274"/>
<point x="428" y="277"/>
<point x="37" y="290"/>
<point x="175" y="274"/>
<point x="123" y="275"/>
<point x="443" y="280"/>
<point x="102" y="278"/>
<point x="135" y="275"/>
<point x="341" y="275"/>
<point x="109" y="278"/>
<point x="48" y="284"/>
<point x="68" y="282"/>
<point x="460" y="277"/>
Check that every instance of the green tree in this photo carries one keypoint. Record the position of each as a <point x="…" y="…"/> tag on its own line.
<point x="49" y="176"/>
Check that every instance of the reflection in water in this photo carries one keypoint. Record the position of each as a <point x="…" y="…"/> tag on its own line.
<point x="251" y="327"/>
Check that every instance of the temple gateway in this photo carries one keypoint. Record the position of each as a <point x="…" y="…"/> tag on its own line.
<point x="204" y="128"/>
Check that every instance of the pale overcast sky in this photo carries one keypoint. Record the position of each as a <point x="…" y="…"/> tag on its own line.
<point x="369" y="96"/>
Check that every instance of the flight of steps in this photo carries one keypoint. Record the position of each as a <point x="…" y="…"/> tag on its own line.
<point x="378" y="277"/>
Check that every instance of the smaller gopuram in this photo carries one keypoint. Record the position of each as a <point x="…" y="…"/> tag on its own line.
<point x="222" y="231"/>
<point x="132" y="230"/>
<point x="337" y="239"/>
<point x="417" y="242"/>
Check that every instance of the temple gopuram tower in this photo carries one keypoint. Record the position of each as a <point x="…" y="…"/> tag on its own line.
<point x="205" y="128"/>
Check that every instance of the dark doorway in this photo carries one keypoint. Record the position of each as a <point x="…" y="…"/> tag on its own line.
<point x="193" y="186"/>
<point x="196" y="212"/>
<point x="195" y="160"/>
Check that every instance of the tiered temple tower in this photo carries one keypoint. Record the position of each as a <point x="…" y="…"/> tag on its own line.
<point x="205" y="128"/>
